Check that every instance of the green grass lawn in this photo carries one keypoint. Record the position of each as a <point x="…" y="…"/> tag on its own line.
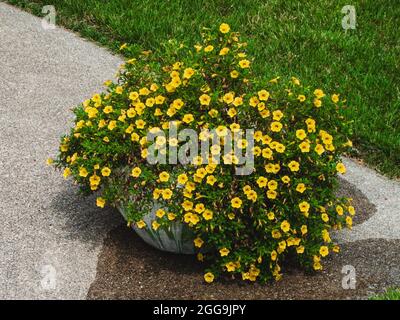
<point x="299" y="38"/>
<point x="390" y="294"/>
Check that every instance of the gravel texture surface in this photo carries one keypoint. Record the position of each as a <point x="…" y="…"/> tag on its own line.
<point x="49" y="236"/>
<point x="130" y="269"/>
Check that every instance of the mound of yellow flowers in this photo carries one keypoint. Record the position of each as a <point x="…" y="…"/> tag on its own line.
<point x="250" y="223"/>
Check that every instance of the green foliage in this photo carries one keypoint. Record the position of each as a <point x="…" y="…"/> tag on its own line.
<point x="249" y="223"/>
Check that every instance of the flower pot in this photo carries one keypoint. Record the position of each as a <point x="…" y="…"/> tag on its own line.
<point x="177" y="238"/>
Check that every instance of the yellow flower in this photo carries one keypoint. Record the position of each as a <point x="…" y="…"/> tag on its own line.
<point x="164" y="176"/>
<point x="319" y="93"/>
<point x="182" y="178"/>
<point x="92" y="112"/>
<point x="234" y="74"/>
<point x="155" y="225"/>
<point x="303" y="229"/>
<point x="112" y="125"/>
<point x="119" y="90"/>
<point x="136" y="172"/>
<point x="324" y="217"/>
<point x="194" y="219"/>
<point x="277" y="115"/>
<point x="209" y="277"/>
<point x="230" y="266"/>
<point x="335" y="98"/>
<point x="159" y="99"/>
<point x="285" y="226"/>
<point x="150" y="102"/>
<point x="285" y="179"/>
<point x="160" y="213"/>
<point x="213" y="113"/>
<point x="188" y="73"/>
<point x="276" y="126"/>
<point x="304" y="206"/>
<point x="228" y="97"/>
<point x="301" y="134"/>
<point x="224" y="28"/>
<point x="317" y="103"/>
<point x="319" y="148"/>
<point x="205" y="99"/>
<point x="282" y="246"/>
<point x="301" y="98"/>
<point x="177" y="65"/>
<point x="134" y="136"/>
<point x="199" y="208"/>
<point x="198" y="242"/>
<point x="83" y="172"/>
<point x="129" y="129"/>
<point x="178" y="104"/>
<point x="325" y="236"/>
<point x="221" y="131"/>
<point x="94" y="180"/>
<point x="105" y="172"/>
<point x="208" y="48"/>
<point x="133" y="95"/>
<point x="211" y="180"/>
<point x="295" y="81"/>
<point x="187" y="205"/>
<point x="167" y="194"/>
<point x="188" y="118"/>
<point x="238" y="101"/>
<point x="263" y="95"/>
<point x="144" y="91"/>
<point x="100" y="202"/>
<point x="140" y="224"/>
<point x="340" y="167"/>
<point x="323" y="251"/>
<point x="274" y="255"/>
<point x="271" y="194"/>
<point x="304" y="146"/>
<point x="349" y="221"/>
<point x="301" y="187"/>
<point x="280" y="148"/>
<point x="223" y="51"/>
<point x="300" y="249"/>
<point x="317" y="266"/>
<point x="310" y="122"/>
<point x="339" y="210"/>
<point x="207" y="214"/>
<point x="108" y="109"/>
<point x="351" y="210"/>
<point x="244" y="64"/>
<point x="272" y="185"/>
<point x="140" y="124"/>
<point x="171" y="216"/>
<point x="67" y="173"/>
<point x="270" y="215"/>
<point x="236" y="202"/>
<point x="224" y="252"/>
<point x="294" y="166"/>
<point x="262" y="182"/>
<point x="131" y="113"/>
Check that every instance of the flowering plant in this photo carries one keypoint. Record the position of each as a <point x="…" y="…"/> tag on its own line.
<point x="284" y="205"/>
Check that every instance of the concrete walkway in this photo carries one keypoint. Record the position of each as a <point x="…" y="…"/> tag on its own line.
<point x="50" y="237"/>
<point x="384" y="194"/>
